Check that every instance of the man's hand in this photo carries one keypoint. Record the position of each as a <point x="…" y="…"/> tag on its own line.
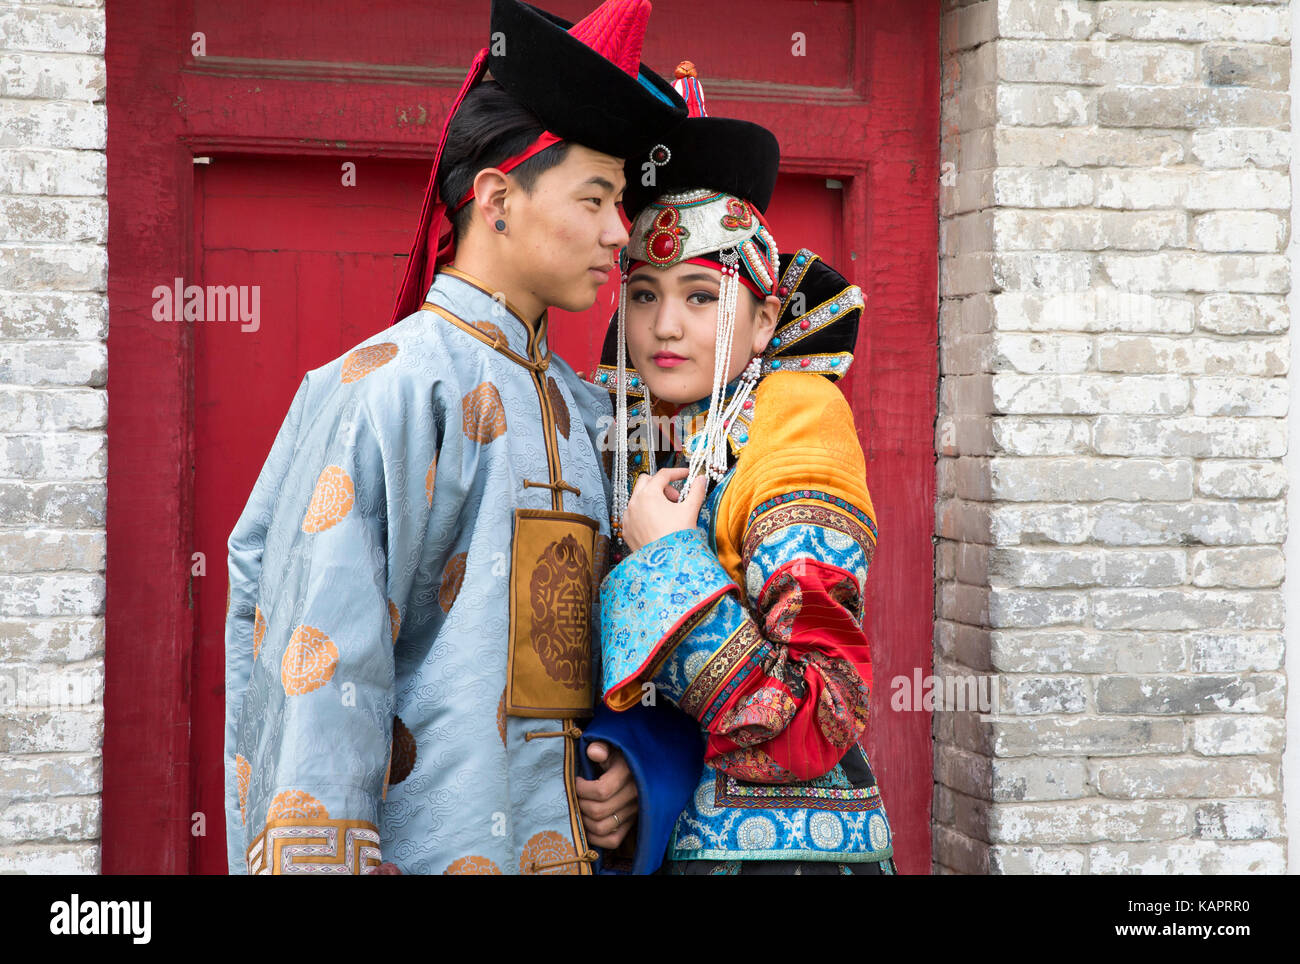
<point x="613" y="795"/>
<point x="654" y="510"/>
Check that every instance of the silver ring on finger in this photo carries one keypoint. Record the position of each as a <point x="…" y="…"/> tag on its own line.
<point x="616" y="821"/>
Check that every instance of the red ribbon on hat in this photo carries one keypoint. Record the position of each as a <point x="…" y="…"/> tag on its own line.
<point x="434" y="230"/>
<point x="544" y="140"/>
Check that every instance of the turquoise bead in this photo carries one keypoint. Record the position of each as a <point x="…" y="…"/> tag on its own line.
<point x="835" y="309"/>
<point x="776" y="341"/>
<point x="604" y="377"/>
<point x="835" y="363"/>
<point x="776" y="363"/>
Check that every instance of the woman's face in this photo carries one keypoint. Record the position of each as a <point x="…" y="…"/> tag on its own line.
<point x="672" y="319"/>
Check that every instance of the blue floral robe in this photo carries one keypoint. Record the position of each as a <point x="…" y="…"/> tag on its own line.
<point x="753" y="623"/>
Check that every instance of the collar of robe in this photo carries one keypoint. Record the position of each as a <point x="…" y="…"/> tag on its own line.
<point x="536" y="356"/>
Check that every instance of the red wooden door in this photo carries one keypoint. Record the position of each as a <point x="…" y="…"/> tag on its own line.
<point x="318" y="121"/>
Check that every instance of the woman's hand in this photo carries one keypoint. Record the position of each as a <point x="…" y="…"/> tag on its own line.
<point x="653" y="510"/>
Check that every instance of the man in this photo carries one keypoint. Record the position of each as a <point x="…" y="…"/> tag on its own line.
<point x="410" y="629"/>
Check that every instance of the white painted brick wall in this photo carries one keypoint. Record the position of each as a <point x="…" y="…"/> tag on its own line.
<point x="1114" y="362"/>
<point x="53" y="443"/>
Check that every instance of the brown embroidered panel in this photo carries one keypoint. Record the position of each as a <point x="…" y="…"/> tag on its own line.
<point x="404" y="753"/>
<point x="558" y="407"/>
<point x="560" y="595"/>
<point x="452" y="577"/>
<point x="549" y="661"/>
<point x="599" y="563"/>
<point x="483" y="417"/>
<point x="360" y="363"/>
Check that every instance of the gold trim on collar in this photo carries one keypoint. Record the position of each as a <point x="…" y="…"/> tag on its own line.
<point x="534" y="330"/>
<point x="540" y="365"/>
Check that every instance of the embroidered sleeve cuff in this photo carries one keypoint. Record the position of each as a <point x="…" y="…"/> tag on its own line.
<point x="648" y="603"/>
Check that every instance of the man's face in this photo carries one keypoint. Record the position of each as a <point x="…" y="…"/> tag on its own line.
<point x="567" y="233"/>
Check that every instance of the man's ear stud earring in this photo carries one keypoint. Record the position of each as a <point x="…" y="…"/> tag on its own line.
<point x="500" y="225"/>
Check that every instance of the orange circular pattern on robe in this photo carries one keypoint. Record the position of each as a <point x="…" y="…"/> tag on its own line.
<point x="363" y="361"/>
<point x="472" y="865"/>
<point x="243" y="771"/>
<point x="403" y="759"/>
<point x="296" y="805"/>
<point x="309" y="662"/>
<point x="600" y="564"/>
<point x="452" y="577"/>
<point x="491" y="330"/>
<point x="428" y="481"/>
<point x="259" y="630"/>
<point x="544" y="847"/>
<point x="483" y="417"/>
<point x="394" y="620"/>
<point x="501" y="717"/>
<point x="558" y="406"/>
<point x="330" y="502"/>
<point x="560" y="597"/>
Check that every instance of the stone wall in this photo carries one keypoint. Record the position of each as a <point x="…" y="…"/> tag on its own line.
<point x="1112" y="421"/>
<point x="53" y="413"/>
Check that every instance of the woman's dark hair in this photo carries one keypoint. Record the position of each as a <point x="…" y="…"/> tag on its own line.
<point x="490" y="127"/>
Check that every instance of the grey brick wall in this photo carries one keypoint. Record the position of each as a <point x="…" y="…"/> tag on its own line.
<point x="53" y="414"/>
<point x="1112" y="421"/>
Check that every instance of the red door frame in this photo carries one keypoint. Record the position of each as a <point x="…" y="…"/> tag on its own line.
<point x="165" y="108"/>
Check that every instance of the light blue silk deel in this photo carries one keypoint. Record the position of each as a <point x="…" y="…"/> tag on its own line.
<point x="369" y="618"/>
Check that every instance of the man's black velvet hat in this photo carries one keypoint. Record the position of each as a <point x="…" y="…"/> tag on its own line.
<point x="579" y="93"/>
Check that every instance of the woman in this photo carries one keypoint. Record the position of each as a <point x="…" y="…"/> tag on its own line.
<point x="741" y="599"/>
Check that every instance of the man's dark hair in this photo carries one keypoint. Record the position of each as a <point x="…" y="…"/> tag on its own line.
<point x="490" y="127"/>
